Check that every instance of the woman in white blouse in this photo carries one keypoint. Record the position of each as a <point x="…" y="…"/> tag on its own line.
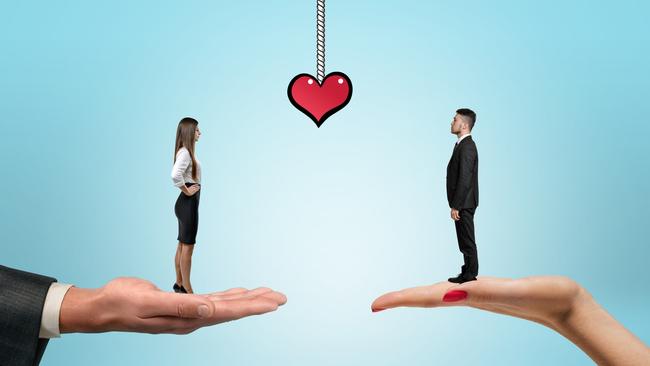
<point x="186" y="175"/>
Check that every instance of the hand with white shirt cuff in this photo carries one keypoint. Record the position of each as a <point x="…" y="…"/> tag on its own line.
<point x="136" y="305"/>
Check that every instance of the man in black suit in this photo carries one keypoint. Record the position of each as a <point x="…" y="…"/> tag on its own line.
<point x="462" y="191"/>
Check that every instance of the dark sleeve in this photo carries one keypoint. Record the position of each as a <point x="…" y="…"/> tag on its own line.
<point x="467" y="159"/>
<point x="22" y="295"/>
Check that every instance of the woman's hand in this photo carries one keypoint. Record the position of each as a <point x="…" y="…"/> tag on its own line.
<point x="545" y="300"/>
<point x="191" y="190"/>
<point x="135" y="305"/>
<point x="554" y="301"/>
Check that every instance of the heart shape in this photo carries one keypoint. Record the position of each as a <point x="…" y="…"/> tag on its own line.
<point x="319" y="101"/>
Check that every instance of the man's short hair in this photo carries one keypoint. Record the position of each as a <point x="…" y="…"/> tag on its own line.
<point x="469" y="115"/>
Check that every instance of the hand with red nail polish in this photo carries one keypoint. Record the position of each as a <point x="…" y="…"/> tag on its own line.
<point x="136" y="305"/>
<point x="554" y="301"/>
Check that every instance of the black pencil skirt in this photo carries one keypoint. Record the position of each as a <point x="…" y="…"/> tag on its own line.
<point x="187" y="213"/>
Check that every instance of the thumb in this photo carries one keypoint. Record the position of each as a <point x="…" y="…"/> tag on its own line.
<point x="485" y="290"/>
<point x="186" y="306"/>
<point x="422" y="296"/>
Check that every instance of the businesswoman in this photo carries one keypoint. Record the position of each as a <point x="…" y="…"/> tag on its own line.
<point x="186" y="175"/>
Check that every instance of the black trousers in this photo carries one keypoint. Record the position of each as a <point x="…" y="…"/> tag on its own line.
<point x="467" y="242"/>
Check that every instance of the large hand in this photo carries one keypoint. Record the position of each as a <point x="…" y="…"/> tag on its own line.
<point x="135" y="305"/>
<point x="554" y="301"/>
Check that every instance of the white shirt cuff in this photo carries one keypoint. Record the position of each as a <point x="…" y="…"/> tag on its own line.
<point x="52" y="309"/>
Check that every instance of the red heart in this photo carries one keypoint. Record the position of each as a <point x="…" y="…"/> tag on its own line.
<point x="319" y="101"/>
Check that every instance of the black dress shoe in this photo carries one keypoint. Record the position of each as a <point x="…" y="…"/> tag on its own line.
<point x="182" y="290"/>
<point x="177" y="288"/>
<point x="461" y="278"/>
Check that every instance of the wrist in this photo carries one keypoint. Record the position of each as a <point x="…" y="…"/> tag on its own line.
<point x="580" y="306"/>
<point x="590" y="327"/>
<point x="79" y="311"/>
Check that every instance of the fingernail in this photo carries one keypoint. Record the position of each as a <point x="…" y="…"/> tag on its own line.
<point x="455" y="295"/>
<point x="204" y="311"/>
<point x="377" y="310"/>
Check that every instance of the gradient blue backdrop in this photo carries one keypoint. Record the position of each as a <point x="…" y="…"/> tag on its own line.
<point x="90" y="94"/>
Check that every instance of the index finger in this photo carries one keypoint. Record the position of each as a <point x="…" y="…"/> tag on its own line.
<point x="228" y="310"/>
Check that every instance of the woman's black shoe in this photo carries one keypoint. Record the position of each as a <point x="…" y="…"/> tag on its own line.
<point x="177" y="288"/>
<point x="183" y="290"/>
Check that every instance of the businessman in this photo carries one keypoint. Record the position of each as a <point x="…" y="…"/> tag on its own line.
<point x="462" y="191"/>
<point x="35" y="308"/>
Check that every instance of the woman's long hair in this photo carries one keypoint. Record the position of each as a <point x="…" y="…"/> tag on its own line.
<point x="185" y="138"/>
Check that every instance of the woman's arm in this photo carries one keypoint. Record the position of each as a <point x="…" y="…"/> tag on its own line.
<point x="554" y="301"/>
<point x="183" y="160"/>
<point x="599" y="335"/>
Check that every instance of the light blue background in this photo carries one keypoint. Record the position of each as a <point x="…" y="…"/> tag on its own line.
<point x="90" y="95"/>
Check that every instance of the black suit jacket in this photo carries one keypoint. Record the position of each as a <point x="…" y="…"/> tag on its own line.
<point x="462" y="176"/>
<point x="22" y="296"/>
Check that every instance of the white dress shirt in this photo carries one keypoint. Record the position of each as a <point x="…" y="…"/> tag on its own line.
<point x="52" y="310"/>
<point x="182" y="170"/>
<point x="462" y="137"/>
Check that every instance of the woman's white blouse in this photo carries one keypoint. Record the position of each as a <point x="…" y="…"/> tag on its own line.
<point x="182" y="170"/>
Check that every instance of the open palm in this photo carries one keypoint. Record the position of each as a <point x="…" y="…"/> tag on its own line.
<point x="137" y="305"/>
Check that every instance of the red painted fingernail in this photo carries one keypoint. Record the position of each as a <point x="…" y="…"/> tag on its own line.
<point x="454" y="295"/>
<point x="377" y="310"/>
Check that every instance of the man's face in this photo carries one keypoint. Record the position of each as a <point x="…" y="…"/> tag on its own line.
<point x="457" y="123"/>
